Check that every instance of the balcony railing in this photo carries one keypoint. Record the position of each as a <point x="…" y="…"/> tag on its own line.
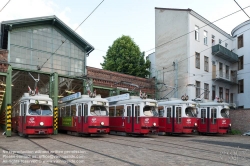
<point x="225" y="77"/>
<point x="224" y="53"/>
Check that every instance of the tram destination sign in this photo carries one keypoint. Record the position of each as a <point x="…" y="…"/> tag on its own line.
<point x="118" y="97"/>
<point x="71" y="97"/>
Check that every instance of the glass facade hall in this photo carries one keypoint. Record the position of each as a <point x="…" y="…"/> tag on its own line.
<point x="32" y="46"/>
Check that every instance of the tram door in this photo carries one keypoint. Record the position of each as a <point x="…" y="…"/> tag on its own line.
<point x="137" y="123"/>
<point x="80" y="118"/>
<point x="22" y="120"/>
<point x="177" y="120"/>
<point x="85" y="117"/>
<point x="128" y="120"/>
<point x="213" y="121"/>
<point x="203" y="125"/>
<point x="169" y="119"/>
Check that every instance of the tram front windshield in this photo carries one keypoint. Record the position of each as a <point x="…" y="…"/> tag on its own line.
<point x="225" y="113"/>
<point x="150" y="111"/>
<point x="190" y="112"/>
<point x="39" y="109"/>
<point x="98" y="110"/>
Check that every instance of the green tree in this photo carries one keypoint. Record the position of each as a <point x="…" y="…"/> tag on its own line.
<point x="124" y="56"/>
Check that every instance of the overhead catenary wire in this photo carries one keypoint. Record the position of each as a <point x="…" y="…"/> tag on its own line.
<point x="241" y="8"/>
<point x="194" y="30"/>
<point x="66" y="38"/>
<point x="4" y="6"/>
<point x="198" y="52"/>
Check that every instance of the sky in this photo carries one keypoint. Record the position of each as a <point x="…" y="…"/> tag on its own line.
<point x="114" y="18"/>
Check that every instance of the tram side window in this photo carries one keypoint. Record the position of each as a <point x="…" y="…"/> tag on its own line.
<point x="137" y="113"/>
<point x="129" y="111"/>
<point x="63" y="114"/>
<point x="67" y="110"/>
<point x="112" y="111"/>
<point x="73" y="110"/>
<point x="79" y="109"/>
<point x="178" y="114"/>
<point x="213" y="115"/>
<point x="161" y="111"/>
<point x="203" y="116"/>
<point x="168" y="114"/>
<point x="119" y="110"/>
<point x="137" y="110"/>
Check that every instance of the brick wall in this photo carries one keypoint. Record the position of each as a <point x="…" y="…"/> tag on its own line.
<point x="3" y="60"/>
<point x="110" y="79"/>
<point x="240" y="119"/>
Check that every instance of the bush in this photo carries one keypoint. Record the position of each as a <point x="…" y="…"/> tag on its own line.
<point x="235" y="132"/>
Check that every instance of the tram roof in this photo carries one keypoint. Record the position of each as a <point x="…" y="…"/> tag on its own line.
<point x="86" y="98"/>
<point x="132" y="100"/>
<point x="213" y="104"/>
<point x="26" y="96"/>
<point x="173" y="102"/>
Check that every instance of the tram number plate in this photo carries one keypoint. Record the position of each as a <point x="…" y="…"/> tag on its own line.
<point x="41" y="132"/>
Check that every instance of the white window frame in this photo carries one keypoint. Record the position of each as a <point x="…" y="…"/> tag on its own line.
<point x="196" y="33"/>
<point x="205" y="37"/>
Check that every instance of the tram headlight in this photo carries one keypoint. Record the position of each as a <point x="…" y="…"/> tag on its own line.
<point x="229" y="125"/>
<point x="41" y="123"/>
<point x="154" y="124"/>
<point x="102" y="123"/>
<point x="195" y="124"/>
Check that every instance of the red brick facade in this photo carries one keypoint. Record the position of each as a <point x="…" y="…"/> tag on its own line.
<point x="240" y="120"/>
<point x="3" y="60"/>
<point x="110" y="79"/>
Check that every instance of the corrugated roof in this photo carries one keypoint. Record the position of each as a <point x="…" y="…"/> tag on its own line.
<point x="50" y="20"/>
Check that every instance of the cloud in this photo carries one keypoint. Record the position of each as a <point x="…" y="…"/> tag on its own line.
<point x="20" y="9"/>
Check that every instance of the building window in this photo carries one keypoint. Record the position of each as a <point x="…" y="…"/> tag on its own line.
<point x="206" y="63"/>
<point x="231" y="97"/>
<point x="196" y="33"/>
<point x="240" y="41"/>
<point x="226" y="45"/>
<point x="227" y="95"/>
<point x="206" y="91"/>
<point x="213" y="92"/>
<point x="197" y="60"/>
<point x="241" y="86"/>
<point x="227" y="72"/>
<point x="240" y="63"/>
<point x="221" y="69"/>
<point x="220" y="41"/>
<point x="198" y="88"/>
<point x="221" y="92"/>
<point x="213" y="40"/>
<point x="205" y="37"/>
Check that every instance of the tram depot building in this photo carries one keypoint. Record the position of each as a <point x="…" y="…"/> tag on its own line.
<point x="28" y="57"/>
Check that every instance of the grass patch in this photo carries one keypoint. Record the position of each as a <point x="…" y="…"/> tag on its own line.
<point x="235" y="132"/>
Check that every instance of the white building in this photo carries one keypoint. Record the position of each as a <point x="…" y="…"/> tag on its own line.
<point x="198" y="58"/>
<point x="242" y="47"/>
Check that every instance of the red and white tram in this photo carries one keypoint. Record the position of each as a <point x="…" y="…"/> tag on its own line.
<point x="177" y="116"/>
<point x="33" y="115"/>
<point x="132" y="115"/>
<point x="84" y="115"/>
<point x="213" y="117"/>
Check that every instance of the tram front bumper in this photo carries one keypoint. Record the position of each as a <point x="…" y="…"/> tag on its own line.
<point x="153" y="129"/>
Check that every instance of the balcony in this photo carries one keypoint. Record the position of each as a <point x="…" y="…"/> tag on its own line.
<point x="224" y="53"/>
<point x="225" y="77"/>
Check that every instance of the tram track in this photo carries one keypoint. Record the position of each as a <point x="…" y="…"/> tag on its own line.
<point x="54" y="154"/>
<point x="175" y="144"/>
<point x="162" y="151"/>
<point x="96" y="152"/>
